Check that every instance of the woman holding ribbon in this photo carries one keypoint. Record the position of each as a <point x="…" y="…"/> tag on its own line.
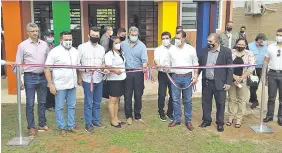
<point x="238" y="92"/>
<point x="115" y="80"/>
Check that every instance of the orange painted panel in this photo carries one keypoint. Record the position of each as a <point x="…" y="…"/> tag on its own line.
<point x="13" y="37"/>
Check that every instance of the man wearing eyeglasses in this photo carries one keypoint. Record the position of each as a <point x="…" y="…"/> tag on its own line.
<point x="274" y="60"/>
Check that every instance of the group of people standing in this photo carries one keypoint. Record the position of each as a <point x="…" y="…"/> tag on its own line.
<point x="120" y="60"/>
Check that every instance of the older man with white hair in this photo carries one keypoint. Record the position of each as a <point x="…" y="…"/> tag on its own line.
<point x="135" y="53"/>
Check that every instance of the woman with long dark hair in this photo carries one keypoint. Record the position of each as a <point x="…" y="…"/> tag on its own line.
<point x="115" y="80"/>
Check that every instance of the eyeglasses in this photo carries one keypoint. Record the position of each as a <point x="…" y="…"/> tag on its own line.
<point x="279" y="51"/>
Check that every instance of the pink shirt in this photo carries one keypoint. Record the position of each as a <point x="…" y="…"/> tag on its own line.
<point x="30" y="53"/>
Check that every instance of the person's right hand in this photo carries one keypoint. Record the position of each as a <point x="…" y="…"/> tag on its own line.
<point x="22" y="86"/>
<point x="52" y="89"/>
<point x="79" y="81"/>
<point x="118" y="72"/>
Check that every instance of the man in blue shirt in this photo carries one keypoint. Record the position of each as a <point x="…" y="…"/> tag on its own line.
<point x="136" y="57"/>
<point x="259" y="48"/>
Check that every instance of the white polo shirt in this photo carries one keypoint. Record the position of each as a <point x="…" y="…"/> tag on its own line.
<point x="185" y="56"/>
<point x="90" y="55"/>
<point x="161" y="55"/>
<point x="275" y="62"/>
<point x="114" y="60"/>
<point x="63" y="78"/>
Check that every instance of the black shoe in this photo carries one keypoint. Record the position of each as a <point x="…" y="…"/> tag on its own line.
<point x="100" y="125"/>
<point x="205" y="124"/>
<point x="170" y="117"/>
<point x="254" y="105"/>
<point x="116" y="126"/>
<point x="163" y="117"/>
<point x="220" y="128"/>
<point x="121" y="123"/>
<point x="89" y="129"/>
<point x="268" y="119"/>
<point x="279" y="123"/>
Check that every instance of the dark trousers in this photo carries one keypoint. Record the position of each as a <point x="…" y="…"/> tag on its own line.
<point x="35" y="83"/>
<point x="50" y="99"/>
<point x="208" y="91"/>
<point x="164" y="83"/>
<point x="274" y="84"/>
<point x="253" y="89"/>
<point x="134" y="83"/>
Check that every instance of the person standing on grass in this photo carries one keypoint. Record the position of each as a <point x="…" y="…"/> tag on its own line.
<point x="115" y="81"/>
<point x="161" y="59"/>
<point x="183" y="55"/>
<point x="135" y="53"/>
<point x="92" y="54"/>
<point x="273" y="58"/>
<point x="34" y="51"/>
<point x="63" y="81"/>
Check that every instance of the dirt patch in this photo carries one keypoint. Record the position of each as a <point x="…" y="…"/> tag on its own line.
<point x="116" y="149"/>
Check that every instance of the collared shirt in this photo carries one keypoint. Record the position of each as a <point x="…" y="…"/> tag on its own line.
<point x="185" y="56"/>
<point x="135" y="56"/>
<point x="211" y="61"/>
<point x="30" y="53"/>
<point x="259" y="52"/>
<point x="105" y="41"/>
<point x="275" y="62"/>
<point x="63" y="78"/>
<point x="90" y="55"/>
<point x="229" y="40"/>
<point x="161" y="55"/>
<point x="114" y="59"/>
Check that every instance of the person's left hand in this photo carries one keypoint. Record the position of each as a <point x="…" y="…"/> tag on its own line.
<point x="106" y="71"/>
<point x="195" y="80"/>
<point x="226" y="87"/>
<point x="10" y="63"/>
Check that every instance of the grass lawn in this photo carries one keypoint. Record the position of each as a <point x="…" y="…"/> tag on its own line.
<point x="153" y="137"/>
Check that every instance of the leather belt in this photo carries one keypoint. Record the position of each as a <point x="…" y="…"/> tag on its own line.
<point x="31" y="73"/>
<point x="277" y="71"/>
<point x="182" y="75"/>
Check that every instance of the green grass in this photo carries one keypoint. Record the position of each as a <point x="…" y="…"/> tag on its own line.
<point x="153" y="137"/>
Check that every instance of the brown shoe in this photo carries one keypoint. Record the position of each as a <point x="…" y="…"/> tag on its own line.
<point x="189" y="126"/>
<point x="73" y="130"/>
<point x="173" y="124"/>
<point x="32" y="132"/>
<point x="44" y="129"/>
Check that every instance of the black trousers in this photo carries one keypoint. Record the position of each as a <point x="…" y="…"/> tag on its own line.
<point x="50" y="99"/>
<point x="164" y="83"/>
<point x="208" y="91"/>
<point x="253" y="89"/>
<point x="134" y="83"/>
<point x="274" y="84"/>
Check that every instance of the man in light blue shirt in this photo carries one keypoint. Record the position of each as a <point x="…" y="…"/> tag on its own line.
<point x="259" y="48"/>
<point x="135" y="53"/>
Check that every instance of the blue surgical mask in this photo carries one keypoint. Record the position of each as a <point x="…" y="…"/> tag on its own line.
<point x="50" y="39"/>
<point x="133" y="38"/>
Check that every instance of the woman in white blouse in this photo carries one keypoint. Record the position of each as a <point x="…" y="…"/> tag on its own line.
<point x="115" y="80"/>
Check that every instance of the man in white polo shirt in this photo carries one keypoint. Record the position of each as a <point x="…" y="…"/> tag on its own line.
<point x="92" y="54"/>
<point x="183" y="55"/>
<point x="63" y="81"/>
<point x="161" y="59"/>
<point x="273" y="58"/>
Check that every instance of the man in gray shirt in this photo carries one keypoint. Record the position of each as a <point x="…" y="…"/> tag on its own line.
<point x="105" y="39"/>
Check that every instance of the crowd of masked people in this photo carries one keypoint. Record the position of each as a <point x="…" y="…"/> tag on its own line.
<point x="117" y="55"/>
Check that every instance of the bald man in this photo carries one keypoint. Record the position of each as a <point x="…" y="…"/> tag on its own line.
<point x="215" y="82"/>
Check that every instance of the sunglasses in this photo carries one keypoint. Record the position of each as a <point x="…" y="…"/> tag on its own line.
<point x="278" y="54"/>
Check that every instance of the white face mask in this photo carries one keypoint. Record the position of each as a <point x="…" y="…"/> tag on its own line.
<point x="279" y="39"/>
<point x="50" y="39"/>
<point x="111" y="33"/>
<point x="117" y="46"/>
<point x="178" y="42"/>
<point x="166" y="42"/>
<point x="67" y="44"/>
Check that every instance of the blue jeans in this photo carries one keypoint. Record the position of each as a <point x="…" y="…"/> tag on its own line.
<point x="187" y="98"/>
<point x="92" y="101"/>
<point x="38" y="83"/>
<point x="68" y="95"/>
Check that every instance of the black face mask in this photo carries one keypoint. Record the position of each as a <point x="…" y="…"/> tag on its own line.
<point x="240" y="48"/>
<point x="94" y="39"/>
<point x="242" y="31"/>
<point x="210" y="46"/>
<point x="121" y="38"/>
<point x="228" y="28"/>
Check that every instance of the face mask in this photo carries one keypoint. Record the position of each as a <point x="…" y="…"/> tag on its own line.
<point x="240" y="48"/>
<point x="229" y="29"/>
<point x="111" y="33"/>
<point x="242" y="31"/>
<point x="94" y="39"/>
<point x="279" y="39"/>
<point x="264" y="43"/>
<point x="117" y="46"/>
<point x="67" y="44"/>
<point x="50" y="39"/>
<point x="166" y="42"/>
<point x="133" y="38"/>
<point x="121" y="38"/>
<point x="210" y="46"/>
<point x="178" y="42"/>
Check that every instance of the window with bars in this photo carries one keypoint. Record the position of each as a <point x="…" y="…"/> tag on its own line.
<point x="101" y="16"/>
<point x="189" y="14"/>
<point x="144" y="15"/>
